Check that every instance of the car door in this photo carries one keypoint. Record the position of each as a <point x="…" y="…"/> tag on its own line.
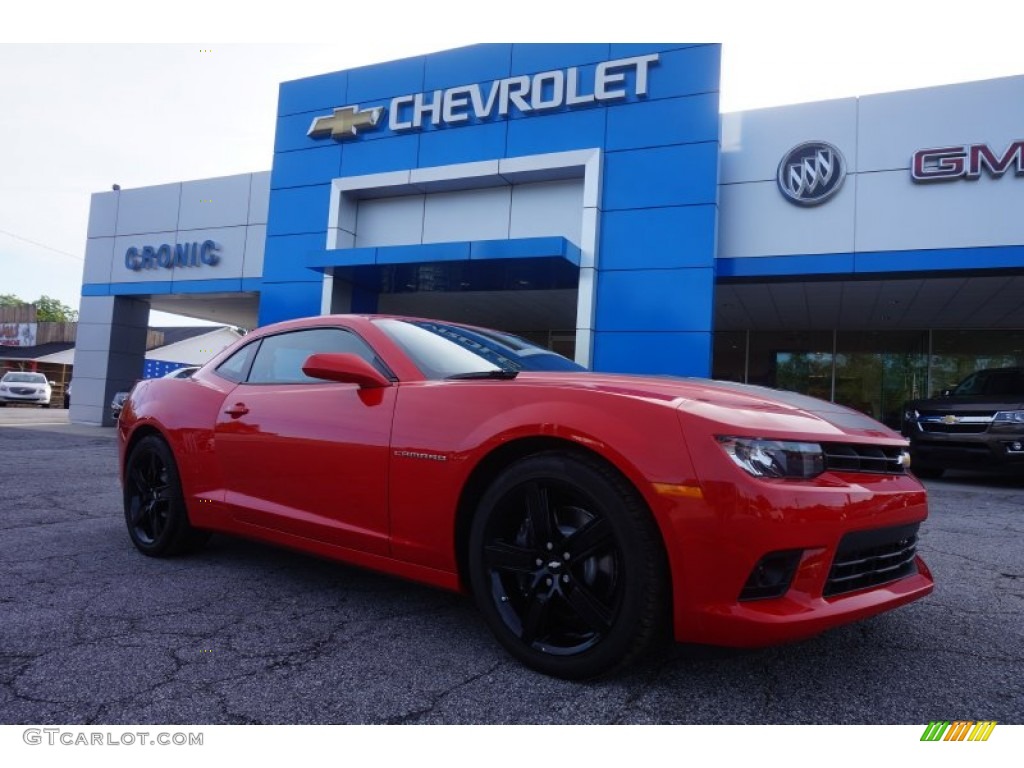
<point x="305" y="456"/>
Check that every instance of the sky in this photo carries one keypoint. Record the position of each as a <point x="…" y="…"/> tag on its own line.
<point x="112" y="92"/>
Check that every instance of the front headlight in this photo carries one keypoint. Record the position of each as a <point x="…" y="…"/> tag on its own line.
<point x="1009" y="417"/>
<point x="774" y="458"/>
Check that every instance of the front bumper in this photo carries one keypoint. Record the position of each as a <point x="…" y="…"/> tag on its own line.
<point x="40" y="398"/>
<point x="720" y="540"/>
<point x="983" y="451"/>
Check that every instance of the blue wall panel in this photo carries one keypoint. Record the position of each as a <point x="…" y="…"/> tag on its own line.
<point x="624" y="50"/>
<point x="382" y="81"/>
<point x="286" y="301"/>
<point x="655" y="300"/>
<point x="680" y="354"/>
<point x="686" y="71"/>
<point x="285" y="257"/>
<point x="305" y="167"/>
<point x="479" y="63"/>
<point x="658" y="238"/>
<point x="292" y="129"/>
<point x="298" y="210"/>
<point x="466" y="144"/>
<point x="557" y="132"/>
<point x="313" y="93"/>
<point x="680" y="120"/>
<point x="681" y="175"/>
<point x="530" y="58"/>
<point x="389" y="154"/>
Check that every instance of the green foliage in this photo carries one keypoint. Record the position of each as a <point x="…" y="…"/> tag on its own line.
<point x="48" y="309"/>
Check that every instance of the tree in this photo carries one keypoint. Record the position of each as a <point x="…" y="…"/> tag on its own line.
<point x="50" y="310"/>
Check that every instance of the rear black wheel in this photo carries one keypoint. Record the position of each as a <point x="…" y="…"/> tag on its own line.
<point x="154" y="507"/>
<point x="568" y="566"/>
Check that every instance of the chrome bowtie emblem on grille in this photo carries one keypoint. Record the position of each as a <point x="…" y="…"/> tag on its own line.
<point x="811" y="173"/>
<point x="950" y="419"/>
<point x="345" y="122"/>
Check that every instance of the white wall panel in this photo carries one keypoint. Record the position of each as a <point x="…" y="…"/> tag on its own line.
<point x="149" y="209"/>
<point x="753" y="143"/>
<point x="895" y="125"/>
<point x="232" y="254"/>
<point x="96" y="309"/>
<point x="99" y="255"/>
<point x="893" y="213"/>
<point x="550" y="209"/>
<point x="390" y="221"/>
<point x="103" y="214"/>
<point x="755" y="220"/>
<point x="255" y="242"/>
<point x="475" y="214"/>
<point x="259" y="197"/>
<point x="221" y="202"/>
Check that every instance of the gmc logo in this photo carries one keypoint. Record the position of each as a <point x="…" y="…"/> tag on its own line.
<point x="966" y="162"/>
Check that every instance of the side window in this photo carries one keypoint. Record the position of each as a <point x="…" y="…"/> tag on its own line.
<point x="236" y="367"/>
<point x="280" y="358"/>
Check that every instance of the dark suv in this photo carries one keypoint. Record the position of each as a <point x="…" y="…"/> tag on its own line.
<point x="979" y="424"/>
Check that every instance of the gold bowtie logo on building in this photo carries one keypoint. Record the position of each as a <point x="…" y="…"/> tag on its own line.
<point x="345" y="122"/>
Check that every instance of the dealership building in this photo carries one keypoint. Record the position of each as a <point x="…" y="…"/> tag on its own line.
<point x="592" y="198"/>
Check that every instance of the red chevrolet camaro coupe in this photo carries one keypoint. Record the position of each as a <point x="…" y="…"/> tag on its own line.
<point x="587" y="513"/>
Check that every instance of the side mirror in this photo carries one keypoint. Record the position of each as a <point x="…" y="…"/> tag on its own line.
<point x="947" y="392"/>
<point x="344" y="368"/>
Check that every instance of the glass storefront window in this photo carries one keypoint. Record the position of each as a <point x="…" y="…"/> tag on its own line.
<point x="878" y="371"/>
<point x="800" y="361"/>
<point x="958" y="354"/>
<point x="730" y="356"/>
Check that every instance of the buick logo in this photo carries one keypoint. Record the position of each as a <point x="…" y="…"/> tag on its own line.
<point x="811" y="173"/>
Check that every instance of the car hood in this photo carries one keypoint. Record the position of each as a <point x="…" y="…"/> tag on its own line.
<point x="749" y="410"/>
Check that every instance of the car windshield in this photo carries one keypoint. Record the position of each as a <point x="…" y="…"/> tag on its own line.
<point x="1005" y="381"/>
<point x="25" y="378"/>
<point x="442" y="350"/>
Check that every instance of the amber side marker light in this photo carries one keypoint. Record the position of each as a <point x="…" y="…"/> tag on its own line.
<point x="684" y="491"/>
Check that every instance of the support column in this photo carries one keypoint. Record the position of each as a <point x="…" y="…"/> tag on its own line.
<point x="110" y="352"/>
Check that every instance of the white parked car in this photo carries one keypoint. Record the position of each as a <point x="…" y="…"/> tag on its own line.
<point x="182" y="373"/>
<point x="25" y="387"/>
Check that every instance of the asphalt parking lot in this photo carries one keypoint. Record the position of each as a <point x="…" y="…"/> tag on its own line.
<point x="91" y="632"/>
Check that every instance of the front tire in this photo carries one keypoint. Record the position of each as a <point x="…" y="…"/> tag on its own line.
<point x="154" y="506"/>
<point x="567" y="566"/>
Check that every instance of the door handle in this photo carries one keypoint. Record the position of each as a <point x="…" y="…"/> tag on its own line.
<point x="238" y="409"/>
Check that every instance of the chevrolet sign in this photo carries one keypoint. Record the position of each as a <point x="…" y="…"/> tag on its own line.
<point x="524" y="93"/>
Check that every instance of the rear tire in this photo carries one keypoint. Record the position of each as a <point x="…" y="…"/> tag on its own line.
<point x="568" y="566"/>
<point x="154" y="506"/>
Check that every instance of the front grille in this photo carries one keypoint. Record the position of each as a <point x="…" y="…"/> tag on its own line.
<point x="853" y="457"/>
<point x="955" y="423"/>
<point x="869" y="558"/>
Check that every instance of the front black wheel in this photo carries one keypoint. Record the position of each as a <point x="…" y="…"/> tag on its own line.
<point x="154" y="507"/>
<point x="568" y="566"/>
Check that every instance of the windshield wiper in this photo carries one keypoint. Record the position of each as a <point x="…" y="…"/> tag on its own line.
<point x="500" y="374"/>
